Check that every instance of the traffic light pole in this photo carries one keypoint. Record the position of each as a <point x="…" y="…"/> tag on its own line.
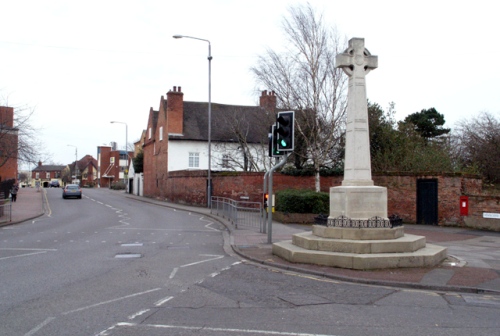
<point x="264" y="191"/>
<point x="270" y="205"/>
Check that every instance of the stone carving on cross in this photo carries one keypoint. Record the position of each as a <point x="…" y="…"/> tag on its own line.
<point x="356" y="62"/>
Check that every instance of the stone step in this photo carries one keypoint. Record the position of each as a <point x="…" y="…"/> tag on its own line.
<point x="406" y="243"/>
<point x="358" y="233"/>
<point x="428" y="256"/>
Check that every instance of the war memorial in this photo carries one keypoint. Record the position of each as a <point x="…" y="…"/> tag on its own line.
<point x="359" y="233"/>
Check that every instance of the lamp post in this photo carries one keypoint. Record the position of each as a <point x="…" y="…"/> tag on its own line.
<point x="209" y="178"/>
<point x="76" y="160"/>
<point x="126" y="151"/>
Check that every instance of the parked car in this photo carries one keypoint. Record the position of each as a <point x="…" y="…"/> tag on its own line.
<point x="72" y="190"/>
<point x="54" y="184"/>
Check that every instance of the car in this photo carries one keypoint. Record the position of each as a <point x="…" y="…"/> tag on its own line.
<point x="72" y="190"/>
<point x="54" y="184"/>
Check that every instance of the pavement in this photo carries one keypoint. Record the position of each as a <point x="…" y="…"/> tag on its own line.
<point x="472" y="266"/>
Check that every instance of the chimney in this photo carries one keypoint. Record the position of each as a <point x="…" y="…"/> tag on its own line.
<point x="175" y="111"/>
<point x="268" y="100"/>
<point x="6" y="117"/>
<point x="39" y="163"/>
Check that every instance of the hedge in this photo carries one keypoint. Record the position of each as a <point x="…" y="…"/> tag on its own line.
<point x="302" y="201"/>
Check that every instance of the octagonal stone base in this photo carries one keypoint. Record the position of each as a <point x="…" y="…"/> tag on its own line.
<point x="360" y="248"/>
<point x="428" y="256"/>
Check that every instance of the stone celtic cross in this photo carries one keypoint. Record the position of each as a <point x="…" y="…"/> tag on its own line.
<point x="356" y="62"/>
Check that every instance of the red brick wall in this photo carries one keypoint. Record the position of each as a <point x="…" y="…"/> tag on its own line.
<point x="479" y="204"/>
<point x="8" y="144"/>
<point x="189" y="187"/>
<point x="483" y="203"/>
<point x="149" y="168"/>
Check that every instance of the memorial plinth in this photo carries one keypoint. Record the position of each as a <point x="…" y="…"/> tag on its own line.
<point x="359" y="234"/>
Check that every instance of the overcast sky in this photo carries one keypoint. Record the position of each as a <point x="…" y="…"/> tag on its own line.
<point x="84" y="64"/>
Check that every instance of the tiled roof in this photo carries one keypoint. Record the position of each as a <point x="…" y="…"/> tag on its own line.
<point x="49" y="168"/>
<point x="251" y="122"/>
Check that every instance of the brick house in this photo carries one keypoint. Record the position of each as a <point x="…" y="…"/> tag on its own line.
<point x="86" y="171"/>
<point x="8" y="144"/>
<point x="46" y="173"/>
<point x="177" y="138"/>
<point x="112" y="165"/>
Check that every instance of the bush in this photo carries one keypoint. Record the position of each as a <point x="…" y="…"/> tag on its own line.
<point x="302" y="201"/>
<point x="117" y="185"/>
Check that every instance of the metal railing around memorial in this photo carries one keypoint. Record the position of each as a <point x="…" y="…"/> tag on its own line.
<point x="239" y="213"/>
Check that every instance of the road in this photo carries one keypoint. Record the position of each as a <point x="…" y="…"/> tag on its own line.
<point x="109" y="265"/>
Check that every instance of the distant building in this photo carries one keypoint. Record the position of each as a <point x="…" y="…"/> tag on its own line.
<point x="85" y="173"/>
<point x="112" y="165"/>
<point x="8" y="144"/>
<point x="46" y="173"/>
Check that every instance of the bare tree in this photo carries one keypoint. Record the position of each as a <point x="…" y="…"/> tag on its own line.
<point x="305" y="79"/>
<point x="29" y="147"/>
<point x="243" y="141"/>
<point x="477" y="145"/>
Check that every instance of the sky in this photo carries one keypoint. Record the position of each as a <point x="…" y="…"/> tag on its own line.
<point x="81" y="65"/>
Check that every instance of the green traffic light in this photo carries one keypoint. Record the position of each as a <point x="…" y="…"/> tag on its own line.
<point x="283" y="143"/>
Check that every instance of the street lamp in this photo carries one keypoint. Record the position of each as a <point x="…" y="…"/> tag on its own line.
<point x="76" y="159"/>
<point x="126" y="150"/>
<point x="209" y="178"/>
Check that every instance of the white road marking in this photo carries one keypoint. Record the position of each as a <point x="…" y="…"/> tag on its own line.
<point x="204" y="255"/>
<point x="224" y="330"/>
<point x="209" y="223"/>
<point x="23" y="255"/>
<point x="173" y="273"/>
<point x="40" y="326"/>
<point x="26" y="249"/>
<point x="139" y="313"/>
<point x="110" y="301"/>
<point x="162" y="301"/>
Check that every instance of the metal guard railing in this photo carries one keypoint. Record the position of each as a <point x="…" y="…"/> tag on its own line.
<point x="5" y="211"/>
<point x="239" y="213"/>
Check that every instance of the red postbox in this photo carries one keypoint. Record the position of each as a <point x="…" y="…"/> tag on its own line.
<point x="464" y="206"/>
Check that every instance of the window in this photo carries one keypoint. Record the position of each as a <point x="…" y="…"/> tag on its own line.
<point x="161" y="133"/>
<point x="194" y="160"/>
<point x="37" y="175"/>
<point x="123" y="156"/>
<point x="225" y="161"/>
<point x="47" y="175"/>
<point x="149" y="133"/>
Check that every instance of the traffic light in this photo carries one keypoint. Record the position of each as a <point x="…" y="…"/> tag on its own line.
<point x="284" y="129"/>
<point x="266" y="199"/>
<point x="273" y="143"/>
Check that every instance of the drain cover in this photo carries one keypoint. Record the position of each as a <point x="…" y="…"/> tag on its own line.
<point x="128" y="255"/>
